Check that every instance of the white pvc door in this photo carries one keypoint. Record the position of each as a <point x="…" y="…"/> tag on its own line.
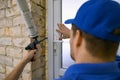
<point x="59" y="51"/>
<point x="63" y="10"/>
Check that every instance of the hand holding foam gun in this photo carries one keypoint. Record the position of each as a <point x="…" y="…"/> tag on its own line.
<point x="31" y="28"/>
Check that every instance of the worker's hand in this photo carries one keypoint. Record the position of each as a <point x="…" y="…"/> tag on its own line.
<point x="64" y="31"/>
<point x="29" y="55"/>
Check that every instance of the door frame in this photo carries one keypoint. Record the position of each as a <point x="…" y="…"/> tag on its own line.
<point x="54" y="16"/>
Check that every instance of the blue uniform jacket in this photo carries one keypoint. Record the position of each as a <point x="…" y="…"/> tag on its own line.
<point x="100" y="71"/>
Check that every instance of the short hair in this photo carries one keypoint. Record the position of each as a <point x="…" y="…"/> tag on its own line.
<point x="99" y="47"/>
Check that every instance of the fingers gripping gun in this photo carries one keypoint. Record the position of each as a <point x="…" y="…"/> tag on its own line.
<point x="30" y="26"/>
<point x="32" y="45"/>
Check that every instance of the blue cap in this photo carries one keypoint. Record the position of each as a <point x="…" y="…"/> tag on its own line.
<point x="98" y="18"/>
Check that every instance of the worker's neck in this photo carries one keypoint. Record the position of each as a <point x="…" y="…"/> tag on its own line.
<point x="88" y="58"/>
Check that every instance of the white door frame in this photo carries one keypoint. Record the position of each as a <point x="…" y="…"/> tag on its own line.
<point x="50" y="25"/>
<point x="54" y="45"/>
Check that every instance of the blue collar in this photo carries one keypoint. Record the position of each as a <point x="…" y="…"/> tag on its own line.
<point x="89" y="68"/>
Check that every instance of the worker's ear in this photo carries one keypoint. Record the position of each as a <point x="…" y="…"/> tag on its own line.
<point x="78" y="38"/>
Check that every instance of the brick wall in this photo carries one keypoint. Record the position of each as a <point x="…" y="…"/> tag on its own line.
<point x="13" y="39"/>
<point x="38" y="10"/>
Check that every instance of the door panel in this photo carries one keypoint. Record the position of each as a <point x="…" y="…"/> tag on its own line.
<point x="59" y="51"/>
